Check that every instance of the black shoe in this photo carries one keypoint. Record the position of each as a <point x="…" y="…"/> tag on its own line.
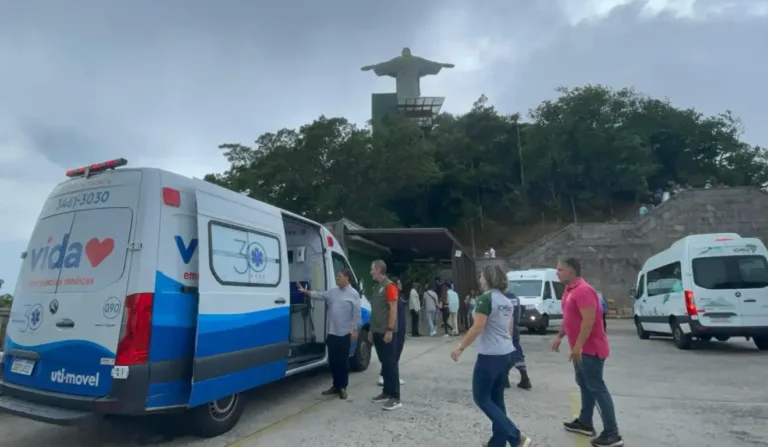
<point x="577" y="427"/>
<point x="608" y="440"/>
<point x="392" y="404"/>
<point x="330" y="391"/>
<point x="381" y="398"/>
<point x="342" y="394"/>
<point x="525" y="384"/>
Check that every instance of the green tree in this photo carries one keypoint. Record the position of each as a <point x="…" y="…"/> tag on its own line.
<point x="581" y="153"/>
<point x="5" y="298"/>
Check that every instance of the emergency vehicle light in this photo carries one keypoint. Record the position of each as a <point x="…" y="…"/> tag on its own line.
<point x="98" y="167"/>
<point x="723" y="239"/>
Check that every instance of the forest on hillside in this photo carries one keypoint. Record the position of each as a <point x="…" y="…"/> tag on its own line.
<point x="585" y="153"/>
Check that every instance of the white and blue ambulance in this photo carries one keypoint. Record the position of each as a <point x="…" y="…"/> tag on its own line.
<point x="143" y="291"/>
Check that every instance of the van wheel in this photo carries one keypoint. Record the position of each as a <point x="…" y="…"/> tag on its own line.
<point x="682" y="340"/>
<point x="543" y="325"/>
<point x="640" y="331"/>
<point x="705" y="338"/>
<point x="761" y="343"/>
<point x="362" y="358"/>
<point x="722" y="338"/>
<point x="217" y="417"/>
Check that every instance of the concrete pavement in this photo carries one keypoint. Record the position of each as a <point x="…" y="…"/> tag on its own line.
<point x="714" y="395"/>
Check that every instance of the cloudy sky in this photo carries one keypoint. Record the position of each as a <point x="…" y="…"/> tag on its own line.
<point x="162" y="83"/>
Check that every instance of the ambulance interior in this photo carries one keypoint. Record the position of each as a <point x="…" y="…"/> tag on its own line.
<point x="308" y="317"/>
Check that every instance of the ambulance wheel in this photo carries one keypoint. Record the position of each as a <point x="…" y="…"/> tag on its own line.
<point x="217" y="417"/>
<point x="362" y="358"/>
<point x="705" y="338"/>
<point x="640" y="331"/>
<point x="761" y="343"/>
<point x="682" y="340"/>
<point x="544" y="325"/>
<point x="722" y="338"/>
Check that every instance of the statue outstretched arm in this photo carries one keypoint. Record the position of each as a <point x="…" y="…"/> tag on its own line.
<point x="428" y="67"/>
<point x="388" y="68"/>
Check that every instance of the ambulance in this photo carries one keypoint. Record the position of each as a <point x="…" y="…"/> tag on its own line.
<point x="144" y="292"/>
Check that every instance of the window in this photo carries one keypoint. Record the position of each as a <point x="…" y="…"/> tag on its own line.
<point x="665" y="279"/>
<point x="339" y="262"/>
<point x="243" y="257"/>
<point x="547" y="295"/>
<point x="559" y="290"/>
<point x="730" y="272"/>
<point x="525" y="288"/>
<point x="640" y="288"/>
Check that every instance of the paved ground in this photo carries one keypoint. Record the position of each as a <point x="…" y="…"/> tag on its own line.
<point x="715" y="395"/>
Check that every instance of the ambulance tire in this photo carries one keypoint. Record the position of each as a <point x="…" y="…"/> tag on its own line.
<point x="363" y="350"/>
<point x="722" y="338"/>
<point x="761" y="342"/>
<point x="217" y="417"/>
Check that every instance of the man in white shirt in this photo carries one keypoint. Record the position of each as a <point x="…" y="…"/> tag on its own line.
<point x="415" y="305"/>
<point x="430" y="303"/>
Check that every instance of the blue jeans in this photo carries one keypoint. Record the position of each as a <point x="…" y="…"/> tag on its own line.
<point x="488" y="382"/>
<point x="589" y="377"/>
<point x="431" y="315"/>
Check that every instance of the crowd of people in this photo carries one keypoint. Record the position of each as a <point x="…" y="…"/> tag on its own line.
<point x="493" y="328"/>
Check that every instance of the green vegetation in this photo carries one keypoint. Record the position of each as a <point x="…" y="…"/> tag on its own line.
<point x="587" y="153"/>
<point x="5" y="298"/>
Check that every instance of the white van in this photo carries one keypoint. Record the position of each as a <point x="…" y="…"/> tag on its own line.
<point x="705" y="286"/>
<point x="143" y="291"/>
<point x="540" y="294"/>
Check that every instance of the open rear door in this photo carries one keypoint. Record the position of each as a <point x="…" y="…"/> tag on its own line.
<point x="243" y="316"/>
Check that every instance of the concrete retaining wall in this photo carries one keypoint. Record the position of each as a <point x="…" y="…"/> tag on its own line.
<point x="612" y="253"/>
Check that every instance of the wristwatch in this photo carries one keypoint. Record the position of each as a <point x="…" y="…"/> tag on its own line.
<point x="389" y="329"/>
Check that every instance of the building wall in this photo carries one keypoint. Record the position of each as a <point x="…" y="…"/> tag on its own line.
<point x="612" y="253"/>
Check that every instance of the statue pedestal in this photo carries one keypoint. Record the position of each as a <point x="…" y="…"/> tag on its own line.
<point x="423" y="109"/>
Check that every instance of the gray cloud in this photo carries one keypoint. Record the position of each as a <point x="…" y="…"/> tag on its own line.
<point x="163" y="83"/>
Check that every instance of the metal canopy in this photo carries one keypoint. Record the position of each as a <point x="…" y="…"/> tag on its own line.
<point x="435" y="243"/>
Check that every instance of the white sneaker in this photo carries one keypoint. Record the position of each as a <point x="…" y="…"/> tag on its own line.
<point x="381" y="381"/>
<point x="432" y="334"/>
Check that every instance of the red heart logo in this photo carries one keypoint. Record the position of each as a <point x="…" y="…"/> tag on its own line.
<point x="97" y="251"/>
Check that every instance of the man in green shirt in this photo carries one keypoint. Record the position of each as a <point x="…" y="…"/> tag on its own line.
<point x="383" y="326"/>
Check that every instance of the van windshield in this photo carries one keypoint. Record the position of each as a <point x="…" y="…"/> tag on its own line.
<point x="731" y="272"/>
<point x="525" y="287"/>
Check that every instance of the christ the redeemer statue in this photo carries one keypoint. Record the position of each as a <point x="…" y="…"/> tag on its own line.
<point x="407" y="70"/>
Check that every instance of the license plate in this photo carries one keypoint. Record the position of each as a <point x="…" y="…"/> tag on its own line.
<point x="720" y="319"/>
<point x="23" y="367"/>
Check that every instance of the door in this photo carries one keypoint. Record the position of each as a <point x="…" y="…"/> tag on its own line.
<point x="66" y="316"/>
<point x="559" y="292"/>
<point x="549" y="304"/>
<point x="641" y="300"/>
<point x="730" y="289"/>
<point x="243" y="320"/>
<point x="664" y="293"/>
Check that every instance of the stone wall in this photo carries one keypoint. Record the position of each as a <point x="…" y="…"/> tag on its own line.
<point x="613" y="253"/>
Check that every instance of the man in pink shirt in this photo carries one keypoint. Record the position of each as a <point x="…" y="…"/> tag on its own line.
<point x="589" y="349"/>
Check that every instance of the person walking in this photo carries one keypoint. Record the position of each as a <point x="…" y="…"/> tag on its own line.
<point x="383" y="329"/>
<point x="415" y="306"/>
<point x="445" y="311"/>
<point x="589" y="345"/>
<point x="494" y="323"/>
<point x="470" y="301"/>
<point x="401" y="324"/>
<point x="453" y="309"/>
<point x="518" y="357"/>
<point x="344" y="318"/>
<point x="431" y="305"/>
